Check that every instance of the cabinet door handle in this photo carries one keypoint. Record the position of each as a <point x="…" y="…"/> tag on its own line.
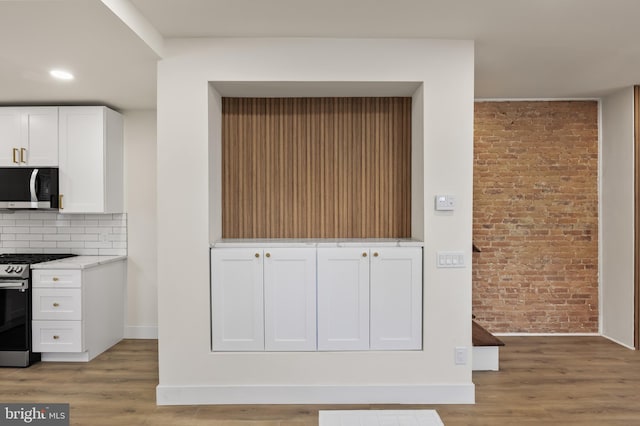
<point x="268" y="254"/>
<point x="257" y="255"/>
<point x="55" y="279"/>
<point x="56" y="337"/>
<point x="375" y="254"/>
<point x="23" y="154"/>
<point x="60" y="202"/>
<point x="56" y="304"/>
<point x="364" y="254"/>
<point x="15" y="156"/>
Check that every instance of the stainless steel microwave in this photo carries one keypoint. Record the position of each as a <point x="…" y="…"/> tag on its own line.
<point x="28" y="188"/>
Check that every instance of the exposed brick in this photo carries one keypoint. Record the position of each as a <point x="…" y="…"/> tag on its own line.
<point x="536" y="216"/>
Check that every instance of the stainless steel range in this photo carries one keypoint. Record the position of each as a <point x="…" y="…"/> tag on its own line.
<point x="15" y="307"/>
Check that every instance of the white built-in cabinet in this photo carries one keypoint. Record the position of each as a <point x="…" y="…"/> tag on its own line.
<point x="91" y="160"/>
<point x="263" y="299"/>
<point x="28" y="136"/>
<point x="367" y="298"/>
<point x="343" y="299"/>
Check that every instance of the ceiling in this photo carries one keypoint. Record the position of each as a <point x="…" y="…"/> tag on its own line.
<point x="524" y="48"/>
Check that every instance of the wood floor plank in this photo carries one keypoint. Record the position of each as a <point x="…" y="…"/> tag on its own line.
<point x="542" y="380"/>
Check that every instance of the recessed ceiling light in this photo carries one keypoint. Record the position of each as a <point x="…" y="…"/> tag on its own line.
<point x="61" y="74"/>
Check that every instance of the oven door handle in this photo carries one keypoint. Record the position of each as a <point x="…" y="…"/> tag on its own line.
<point x="14" y="285"/>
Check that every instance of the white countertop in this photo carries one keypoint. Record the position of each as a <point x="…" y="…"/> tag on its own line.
<point x="78" y="262"/>
<point x="312" y="243"/>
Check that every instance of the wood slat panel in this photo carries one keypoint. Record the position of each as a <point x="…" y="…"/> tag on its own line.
<point x="316" y="167"/>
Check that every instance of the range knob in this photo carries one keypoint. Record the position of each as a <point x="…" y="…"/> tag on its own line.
<point x="19" y="269"/>
<point x="9" y="269"/>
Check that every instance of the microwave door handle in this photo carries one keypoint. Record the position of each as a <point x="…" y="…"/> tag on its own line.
<point x="33" y="188"/>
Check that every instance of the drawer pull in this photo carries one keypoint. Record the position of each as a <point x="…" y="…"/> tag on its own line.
<point x="364" y="254"/>
<point x="56" y="304"/>
<point x="55" y="279"/>
<point x="375" y="254"/>
<point x="268" y="254"/>
<point x="56" y="337"/>
<point x="257" y="254"/>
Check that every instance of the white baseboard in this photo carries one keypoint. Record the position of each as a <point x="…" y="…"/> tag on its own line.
<point x="140" y="332"/>
<point x="544" y="334"/>
<point x="619" y="342"/>
<point x="266" y="394"/>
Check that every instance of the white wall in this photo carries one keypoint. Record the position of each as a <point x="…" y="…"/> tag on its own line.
<point x="140" y="203"/>
<point x="188" y="217"/>
<point x="617" y="219"/>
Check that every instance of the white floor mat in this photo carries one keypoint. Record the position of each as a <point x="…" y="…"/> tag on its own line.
<point x="379" y="418"/>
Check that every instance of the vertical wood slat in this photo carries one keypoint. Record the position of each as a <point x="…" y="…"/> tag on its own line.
<point x="316" y="167"/>
<point x="636" y="278"/>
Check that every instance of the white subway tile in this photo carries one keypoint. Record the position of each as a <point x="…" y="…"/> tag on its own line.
<point x="29" y="237"/>
<point x="98" y="244"/>
<point x="43" y="244"/>
<point x="7" y="237"/>
<point x="32" y="250"/>
<point x="56" y="223"/>
<point x="19" y="216"/>
<point x="113" y="252"/>
<point x="43" y="215"/>
<point x="12" y="230"/>
<point x="112" y="223"/>
<point x="85" y="237"/>
<point x="98" y="230"/>
<point x="99" y="216"/>
<point x="29" y="222"/>
<point x="43" y="230"/>
<point x="57" y="237"/>
<point x="117" y="237"/>
<point x="70" y="244"/>
<point x="86" y="252"/>
<point x="84" y="223"/>
<point x="70" y="230"/>
<point x="119" y="230"/>
<point x="119" y="245"/>
<point x="7" y="250"/>
<point x="7" y="222"/>
<point x="15" y="244"/>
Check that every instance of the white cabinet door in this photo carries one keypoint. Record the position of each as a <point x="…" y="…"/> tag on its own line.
<point x="11" y="136"/>
<point x="29" y="137"/>
<point x="90" y="151"/>
<point x="343" y="299"/>
<point x="42" y="128"/>
<point x="237" y="313"/>
<point x="396" y="298"/>
<point x="290" y="299"/>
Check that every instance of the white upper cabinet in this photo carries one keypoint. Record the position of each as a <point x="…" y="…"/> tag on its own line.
<point x="29" y="136"/>
<point x="290" y="299"/>
<point x="396" y="298"/>
<point x="343" y="299"/>
<point x="91" y="160"/>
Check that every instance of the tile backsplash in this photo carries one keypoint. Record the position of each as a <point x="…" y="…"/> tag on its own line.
<point x="51" y="232"/>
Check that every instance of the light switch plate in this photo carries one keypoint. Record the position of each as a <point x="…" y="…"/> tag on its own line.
<point x="461" y="355"/>
<point x="450" y="259"/>
<point x="445" y="202"/>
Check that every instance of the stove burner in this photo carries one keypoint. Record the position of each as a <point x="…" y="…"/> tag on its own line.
<point x="30" y="258"/>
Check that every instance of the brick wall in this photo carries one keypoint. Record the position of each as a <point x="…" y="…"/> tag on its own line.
<point x="535" y="216"/>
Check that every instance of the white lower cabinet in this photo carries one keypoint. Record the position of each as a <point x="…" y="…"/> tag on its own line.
<point x="396" y="298"/>
<point x="237" y="300"/>
<point x="307" y="299"/>
<point x="343" y="299"/>
<point x="77" y="313"/>
<point x="290" y="299"/>
<point x="263" y="299"/>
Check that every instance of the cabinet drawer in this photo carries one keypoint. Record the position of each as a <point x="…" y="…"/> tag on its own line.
<point x="57" y="304"/>
<point x="57" y="336"/>
<point x="57" y="278"/>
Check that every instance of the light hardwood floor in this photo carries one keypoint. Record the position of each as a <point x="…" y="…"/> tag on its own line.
<point x="543" y="381"/>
